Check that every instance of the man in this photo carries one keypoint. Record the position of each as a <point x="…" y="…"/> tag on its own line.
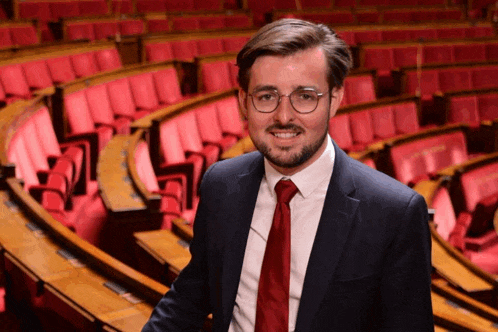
<point x="355" y="254"/>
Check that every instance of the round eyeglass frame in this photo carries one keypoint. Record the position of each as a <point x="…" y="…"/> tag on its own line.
<point x="319" y="95"/>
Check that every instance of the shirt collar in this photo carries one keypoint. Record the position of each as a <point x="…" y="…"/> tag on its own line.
<point x="307" y="179"/>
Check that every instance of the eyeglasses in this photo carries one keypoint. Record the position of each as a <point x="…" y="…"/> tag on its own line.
<point x="302" y="100"/>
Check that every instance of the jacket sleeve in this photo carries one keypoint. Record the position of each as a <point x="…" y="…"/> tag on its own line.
<point x="186" y="305"/>
<point x="405" y="287"/>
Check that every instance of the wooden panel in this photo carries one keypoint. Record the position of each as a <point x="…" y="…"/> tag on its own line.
<point x="166" y="247"/>
<point x="116" y="187"/>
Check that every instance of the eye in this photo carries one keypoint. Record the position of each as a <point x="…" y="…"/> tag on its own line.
<point x="306" y="95"/>
<point x="265" y="96"/>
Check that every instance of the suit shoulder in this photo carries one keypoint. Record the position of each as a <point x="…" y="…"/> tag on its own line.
<point x="240" y="165"/>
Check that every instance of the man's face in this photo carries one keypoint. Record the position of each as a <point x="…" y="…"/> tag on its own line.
<point x="289" y="140"/>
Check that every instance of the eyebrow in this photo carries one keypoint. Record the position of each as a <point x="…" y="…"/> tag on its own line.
<point x="274" y="88"/>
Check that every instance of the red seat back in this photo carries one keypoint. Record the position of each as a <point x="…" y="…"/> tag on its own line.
<point x="158" y="52"/>
<point x="488" y="107"/>
<point x="158" y="25"/>
<point x="78" y="113"/>
<point x="144" y="167"/>
<point x="215" y="76"/>
<point x="383" y="122"/>
<point x="438" y="54"/>
<point x="14" y="82"/>
<point x="99" y="104"/>
<point x="470" y="52"/>
<point x="77" y="31"/>
<point x="131" y="27"/>
<point x="180" y="5"/>
<point x="189" y="132"/>
<point x="406" y="118"/>
<point x="454" y="79"/>
<point x="167" y="86"/>
<point x="121" y="98"/>
<point x="444" y="216"/>
<point x="61" y="69"/>
<point x="24" y="35"/>
<point x="234" y="44"/>
<point x="404" y="56"/>
<point x="171" y="145"/>
<point x="207" y="122"/>
<point x="210" y="46"/>
<point x="463" y="109"/>
<point x="359" y="89"/>
<point x="211" y="22"/>
<point x="84" y="64"/>
<point x="108" y="59"/>
<point x="103" y="30"/>
<point x="144" y="92"/>
<point x="37" y="74"/>
<point x="184" y="50"/>
<point x="229" y="116"/>
<point x="478" y="184"/>
<point x="340" y="131"/>
<point x="379" y="58"/>
<point x="64" y="9"/>
<point x="185" y="23"/>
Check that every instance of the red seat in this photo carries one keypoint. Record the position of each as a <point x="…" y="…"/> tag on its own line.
<point x="234" y="44"/>
<point x="237" y="21"/>
<point x="37" y="74"/>
<point x="192" y="141"/>
<point x="451" y="33"/>
<point x="406" y="118"/>
<point x="77" y="151"/>
<point x="38" y="10"/>
<point x="340" y="131"/>
<point x="158" y="25"/>
<point x="348" y="37"/>
<point x="170" y="187"/>
<point x="5" y="38"/>
<point x="122" y="6"/>
<point x="210" y="129"/>
<point x="359" y="89"/>
<point x="101" y="111"/>
<point x="77" y="31"/>
<point x="405" y="56"/>
<point x="367" y="36"/>
<point x="180" y="5"/>
<point x="184" y="50"/>
<point x="317" y="4"/>
<point x="476" y="32"/>
<point x="429" y="83"/>
<point x="444" y="216"/>
<point x="24" y="35"/>
<point x="383" y="122"/>
<point x="158" y="52"/>
<point x="454" y="79"/>
<point x="396" y="35"/>
<point x="210" y="46"/>
<point x="185" y="23"/>
<point x="379" y="58"/>
<point x="215" y="76"/>
<point x="64" y="9"/>
<point x="175" y="158"/>
<point x="93" y="8"/>
<point x="121" y="99"/>
<point x="167" y="86"/>
<point x="204" y="5"/>
<point x="104" y="30"/>
<point x="438" y="54"/>
<point x="484" y="77"/>
<point x="144" y="93"/>
<point x="229" y="117"/>
<point x="14" y="82"/>
<point x="146" y="6"/>
<point x="396" y="16"/>
<point x="488" y="107"/>
<point x="80" y="120"/>
<point x="108" y="59"/>
<point x="84" y="64"/>
<point x="211" y="22"/>
<point x="61" y="69"/>
<point x="470" y="52"/>
<point x="361" y="127"/>
<point x="463" y="109"/>
<point x="131" y="27"/>
<point x="427" y="34"/>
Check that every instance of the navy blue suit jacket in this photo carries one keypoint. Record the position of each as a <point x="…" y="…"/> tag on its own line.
<point x="369" y="268"/>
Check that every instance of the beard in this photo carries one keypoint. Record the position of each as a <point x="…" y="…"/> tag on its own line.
<point x="295" y="159"/>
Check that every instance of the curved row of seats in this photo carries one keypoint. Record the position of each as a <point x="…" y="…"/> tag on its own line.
<point x="12" y="34"/>
<point x="20" y="77"/>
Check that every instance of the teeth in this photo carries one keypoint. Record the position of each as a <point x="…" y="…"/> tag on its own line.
<point x="285" y="135"/>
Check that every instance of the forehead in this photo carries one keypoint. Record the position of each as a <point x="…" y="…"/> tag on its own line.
<point x="304" y="68"/>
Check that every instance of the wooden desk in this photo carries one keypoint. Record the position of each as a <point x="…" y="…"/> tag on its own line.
<point x="166" y="248"/>
<point x="244" y="145"/>
<point x="116" y="187"/>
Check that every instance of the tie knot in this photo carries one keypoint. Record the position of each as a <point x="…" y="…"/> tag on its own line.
<point x="285" y="190"/>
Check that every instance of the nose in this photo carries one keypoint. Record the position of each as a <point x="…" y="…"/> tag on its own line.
<point x="285" y="112"/>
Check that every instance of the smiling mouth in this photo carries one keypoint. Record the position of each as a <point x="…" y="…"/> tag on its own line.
<point x="285" y="135"/>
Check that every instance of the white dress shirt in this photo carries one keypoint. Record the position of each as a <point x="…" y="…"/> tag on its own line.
<point x="306" y="209"/>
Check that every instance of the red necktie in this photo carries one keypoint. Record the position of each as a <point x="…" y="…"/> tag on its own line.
<point x="272" y="311"/>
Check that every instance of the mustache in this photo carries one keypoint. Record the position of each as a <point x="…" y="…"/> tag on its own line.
<point x="289" y="126"/>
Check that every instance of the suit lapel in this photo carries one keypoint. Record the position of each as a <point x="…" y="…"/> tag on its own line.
<point x="239" y="222"/>
<point x="333" y="229"/>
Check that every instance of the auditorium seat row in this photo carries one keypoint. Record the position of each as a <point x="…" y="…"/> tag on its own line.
<point x="21" y="76"/>
<point x="392" y="56"/>
<point x="109" y="108"/>
<point x="375" y="16"/>
<point x="357" y="126"/>
<point x="464" y="213"/>
<point x="187" y="49"/>
<point x="442" y="78"/>
<point x="12" y="34"/>
<point x="375" y="34"/>
<point x="102" y="29"/>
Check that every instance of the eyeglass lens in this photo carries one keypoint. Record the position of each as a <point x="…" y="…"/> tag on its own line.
<point x="303" y="101"/>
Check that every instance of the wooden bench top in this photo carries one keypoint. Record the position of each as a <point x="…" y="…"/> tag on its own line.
<point x="166" y="247"/>
<point x="116" y="187"/>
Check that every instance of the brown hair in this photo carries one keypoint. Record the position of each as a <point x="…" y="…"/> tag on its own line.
<point x="288" y="36"/>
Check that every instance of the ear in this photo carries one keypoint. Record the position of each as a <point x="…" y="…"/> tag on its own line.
<point x="336" y="99"/>
<point x="243" y="102"/>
